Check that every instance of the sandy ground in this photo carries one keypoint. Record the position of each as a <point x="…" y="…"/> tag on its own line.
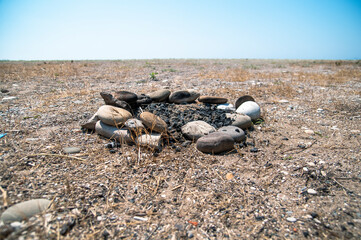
<point x="309" y="140"/>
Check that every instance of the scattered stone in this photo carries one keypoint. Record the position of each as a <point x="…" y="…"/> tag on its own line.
<point x="187" y="96"/>
<point x="152" y="141"/>
<point x="160" y="95"/>
<point x="9" y="98"/>
<point x="240" y="120"/>
<point x="4" y="90"/>
<point x="113" y="116"/>
<point x="216" y="142"/>
<point x="283" y="101"/>
<point x="291" y="219"/>
<point x="243" y="99"/>
<point x="308" y="131"/>
<point x="71" y="150"/>
<point x="24" y="210"/>
<point x="212" y="100"/>
<point x="226" y="107"/>
<point x="153" y="122"/>
<point x="111" y="132"/>
<point x="254" y="150"/>
<point x="196" y="129"/>
<point x="229" y="176"/>
<point x="251" y="109"/>
<point x="236" y="133"/>
<point x="311" y="191"/>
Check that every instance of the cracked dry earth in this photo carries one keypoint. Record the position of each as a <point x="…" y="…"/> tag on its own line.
<point x="303" y="182"/>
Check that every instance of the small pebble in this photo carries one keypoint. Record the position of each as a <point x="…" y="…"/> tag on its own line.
<point x="254" y="150"/>
<point x="291" y="219"/>
<point x="229" y="176"/>
<point x="71" y="150"/>
<point x="311" y="191"/>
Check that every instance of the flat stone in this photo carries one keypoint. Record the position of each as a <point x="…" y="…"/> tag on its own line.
<point x="251" y="109"/>
<point x="309" y="131"/>
<point x="110" y="100"/>
<point x="121" y="135"/>
<point x="196" y="129"/>
<point x="212" y="100"/>
<point x="71" y="150"/>
<point x="90" y="124"/>
<point x="291" y="219"/>
<point x="243" y="99"/>
<point x="152" y="141"/>
<point x="236" y="133"/>
<point x="216" y="142"/>
<point x="160" y="95"/>
<point x="311" y="191"/>
<point x="153" y="122"/>
<point x="185" y="96"/>
<point x="9" y="98"/>
<point x="113" y="116"/>
<point x="240" y="120"/>
<point x="24" y="210"/>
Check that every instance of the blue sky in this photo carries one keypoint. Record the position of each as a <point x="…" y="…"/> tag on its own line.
<point x="140" y="29"/>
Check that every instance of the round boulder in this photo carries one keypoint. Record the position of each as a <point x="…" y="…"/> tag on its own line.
<point x="153" y="122"/>
<point x="236" y="133"/>
<point x="216" y="142"/>
<point x="243" y="99"/>
<point x="240" y="120"/>
<point x="160" y="95"/>
<point x="186" y="96"/>
<point x="113" y="116"/>
<point x="212" y="100"/>
<point x="196" y="129"/>
<point x="251" y="109"/>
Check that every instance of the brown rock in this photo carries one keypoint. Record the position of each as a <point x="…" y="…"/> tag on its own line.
<point x="113" y="116"/>
<point x="212" y="100"/>
<point x="153" y="122"/>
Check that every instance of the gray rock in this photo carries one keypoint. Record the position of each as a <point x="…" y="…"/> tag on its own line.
<point x="113" y="116"/>
<point x="90" y="124"/>
<point x="236" y="133"/>
<point x="134" y="125"/>
<point x="212" y="100"/>
<point x="152" y="141"/>
<point x="110" y="100"/>
<point x="185" y="96"/>
<point x="153" y="122"/>
<point x="71" y="150"/>
<point x="240" y="120"/>
<point x="251" y="109"/>
<point x="111" y="132"/>
<point x="126" y="96"/>
<point x="196" y="129"/>
<point x="160" y="95"/>
<point x="24" y="210"/>
<point x="143" y="100"/>
<point x="216" y="142"/>
<point x="243" y="99"/>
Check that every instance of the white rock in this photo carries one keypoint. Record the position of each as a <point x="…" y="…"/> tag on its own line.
<point x="226" y="106"/>
<point x="309" y="131"/>
<point x="24" y="210"/>
<point x="311" y="191"/>
<point x="291" y="219"/>
<point x="152" y="141"/>
<point x="283" y="101"/>
<point x="111" y="132"/>
<point x="251" y="109"/>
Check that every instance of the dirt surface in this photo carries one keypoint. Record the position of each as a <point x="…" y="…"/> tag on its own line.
<point x="310" y="139"/>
